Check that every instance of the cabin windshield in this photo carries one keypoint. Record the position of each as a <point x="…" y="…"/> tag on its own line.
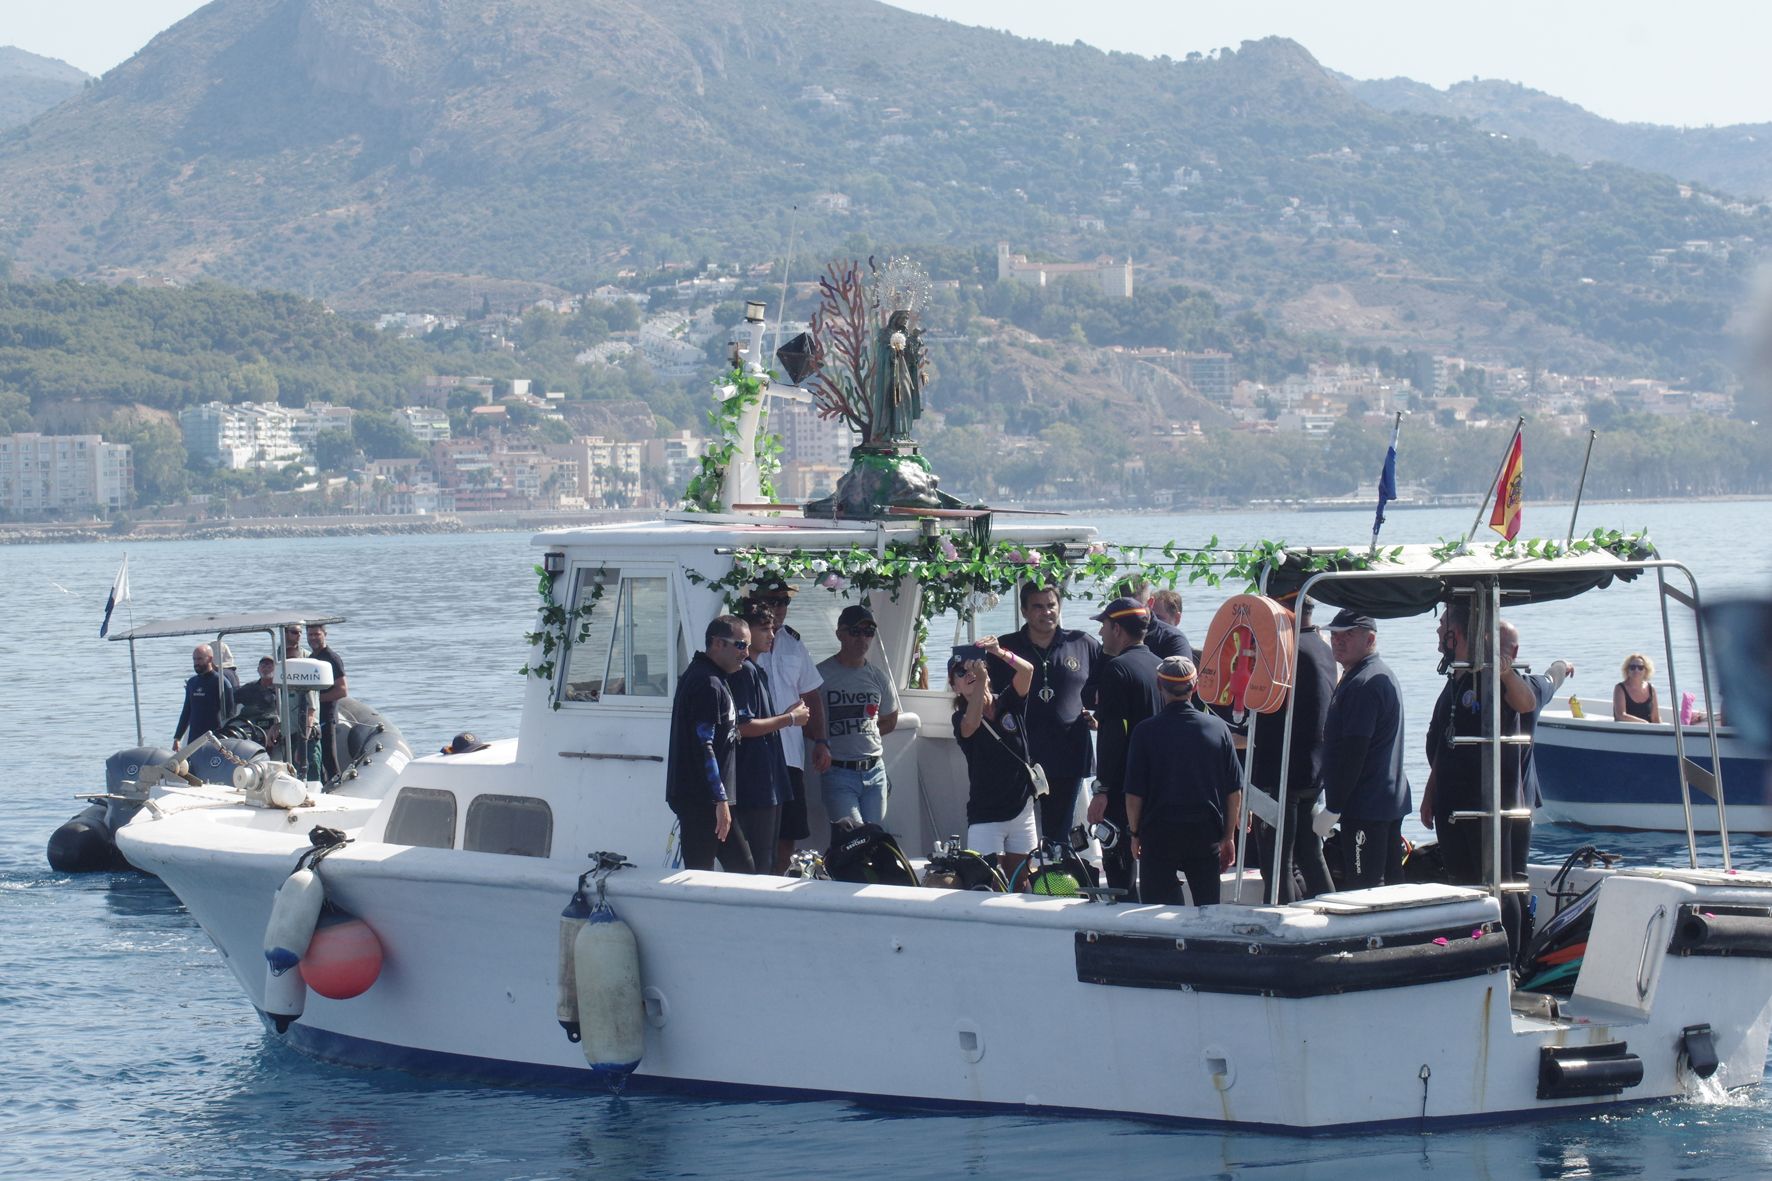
<point x="627" y="651"/>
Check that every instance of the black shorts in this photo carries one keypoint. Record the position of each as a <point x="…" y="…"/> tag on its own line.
<point x="793" y="813"/>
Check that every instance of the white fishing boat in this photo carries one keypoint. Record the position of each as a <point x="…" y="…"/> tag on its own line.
<point x="1386" y="1006"/>
<point x="1603" y="774"/>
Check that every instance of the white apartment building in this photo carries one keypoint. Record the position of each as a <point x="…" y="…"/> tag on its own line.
<point x="51" y="473"/>
<point x="427" y="424"/>
<point x="249" y="435"/>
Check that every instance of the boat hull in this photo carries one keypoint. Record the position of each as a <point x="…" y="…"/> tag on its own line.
<point x="1602" y="774"/>
<point x="934" y="998"/>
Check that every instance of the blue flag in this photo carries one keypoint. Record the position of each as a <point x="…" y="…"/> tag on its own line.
<point x="119" y="594"/>
<point x="1387" y="479"/>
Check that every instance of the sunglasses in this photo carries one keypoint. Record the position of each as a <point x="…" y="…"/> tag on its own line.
<point x="1635" y="668"/>
<point x="778" y="601"/>
<point x="741" y="645"/>
<point x="862" y="631"/>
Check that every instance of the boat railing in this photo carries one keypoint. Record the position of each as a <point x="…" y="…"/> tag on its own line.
<point x="1484" y="586"/>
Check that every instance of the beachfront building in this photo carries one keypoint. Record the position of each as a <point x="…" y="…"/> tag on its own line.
<point x="64" y="473"/>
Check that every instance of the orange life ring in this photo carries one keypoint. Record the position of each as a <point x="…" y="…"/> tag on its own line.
<point x="1247" y="661"/>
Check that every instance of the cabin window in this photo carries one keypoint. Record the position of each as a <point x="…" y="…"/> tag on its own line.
<point x="627" y="651"/>
<point x="520" y="826"/>
<point x="423" y="817"/>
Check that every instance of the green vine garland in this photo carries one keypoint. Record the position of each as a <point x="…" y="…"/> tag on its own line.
<point x="963" y="572"/>
<point x="702" y="494"/>
<point x="556" y="631"/>
<point x="956" y="572"/>
<point x="1628" y="546"/>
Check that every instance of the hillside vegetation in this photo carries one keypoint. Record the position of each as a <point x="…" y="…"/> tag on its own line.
<point x="377" y="150"/>
<point x="1735" y="159"/>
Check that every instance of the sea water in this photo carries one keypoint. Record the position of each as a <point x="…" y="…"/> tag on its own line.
<point x="127" y="1050"/>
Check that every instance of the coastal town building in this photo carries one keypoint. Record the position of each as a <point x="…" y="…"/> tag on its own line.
<point x="1113" y="278"/>
<point x="64" y="473"/>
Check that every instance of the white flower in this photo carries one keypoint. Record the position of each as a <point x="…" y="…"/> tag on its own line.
<point x="819" y="565"/>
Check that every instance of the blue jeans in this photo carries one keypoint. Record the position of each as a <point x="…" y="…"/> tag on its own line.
<point x="859" y="796"/>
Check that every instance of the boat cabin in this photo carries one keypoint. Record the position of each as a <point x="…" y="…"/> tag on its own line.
<point x="597" y="711"/>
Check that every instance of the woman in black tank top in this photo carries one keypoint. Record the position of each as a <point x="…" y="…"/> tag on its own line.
<point x="1633" y="699"/>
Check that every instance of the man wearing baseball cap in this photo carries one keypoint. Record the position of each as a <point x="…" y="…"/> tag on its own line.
<point x="1184" y="794"/>
<point x="1363" y="779"/>
<point x="1127" y="694"/>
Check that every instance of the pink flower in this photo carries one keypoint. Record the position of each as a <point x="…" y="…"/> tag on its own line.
<point x="834" y="581"/>
<point x="949" y="550"/>
<point x="1014" y="557"/>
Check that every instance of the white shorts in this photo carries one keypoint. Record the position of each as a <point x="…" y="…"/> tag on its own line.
<point x="1004" y="836"/>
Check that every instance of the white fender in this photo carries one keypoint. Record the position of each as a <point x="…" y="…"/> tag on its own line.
<point x="286" y="994"/>
<point x="611" y="1010"/>
<point x="566" y="1005"/>
<point x="293" y="915"/>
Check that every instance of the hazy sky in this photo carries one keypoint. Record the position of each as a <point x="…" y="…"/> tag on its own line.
<point x="1642" y="60"/>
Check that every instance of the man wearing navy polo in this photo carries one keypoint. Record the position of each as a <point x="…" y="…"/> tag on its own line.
<point x="1363" y="779"/>
<point x="1058" y="727"/>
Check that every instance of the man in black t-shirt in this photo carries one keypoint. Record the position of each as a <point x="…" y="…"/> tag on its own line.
<point x="1058" y="726"/>
<point x="1184" y="794"/>
<point x="329" y="698"/>
<point x="699" y="778"/>
<point x="1126" y="694"/>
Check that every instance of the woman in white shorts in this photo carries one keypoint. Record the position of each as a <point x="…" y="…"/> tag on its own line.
<point x="989" y="726"/>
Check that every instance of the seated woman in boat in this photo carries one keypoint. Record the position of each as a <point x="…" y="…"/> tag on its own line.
<point x="990" y="727"/>
<point x="1633" y="699"/>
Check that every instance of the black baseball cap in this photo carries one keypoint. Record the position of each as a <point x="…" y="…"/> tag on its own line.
<point x="1348" y="619"/>
<point x="856" y="613"/>
<point x="463" y="743"/>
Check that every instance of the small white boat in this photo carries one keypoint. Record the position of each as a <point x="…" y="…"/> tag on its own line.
<point x="1392" y="1006"/>
<point x="370" y="749"/>
<point x="1603" y="774"/>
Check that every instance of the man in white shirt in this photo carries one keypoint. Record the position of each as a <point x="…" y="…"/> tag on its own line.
<point x="792" y="677"/>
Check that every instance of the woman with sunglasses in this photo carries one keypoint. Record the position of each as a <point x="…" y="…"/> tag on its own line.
<point x="1633" y="699"/>
<point x="990" y="729"/>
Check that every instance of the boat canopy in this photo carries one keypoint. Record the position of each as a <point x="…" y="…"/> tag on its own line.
<point x="1418" y="579"/>
<point x="224" y="625"/>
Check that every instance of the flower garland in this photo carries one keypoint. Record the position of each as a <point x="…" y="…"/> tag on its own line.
<point x="702" y="493"/>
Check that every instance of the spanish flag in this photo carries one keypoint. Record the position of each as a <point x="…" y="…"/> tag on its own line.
<point x="1510" y="495"/>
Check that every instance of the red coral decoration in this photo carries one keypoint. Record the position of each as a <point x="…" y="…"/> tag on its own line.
<point x="842" y="347"/>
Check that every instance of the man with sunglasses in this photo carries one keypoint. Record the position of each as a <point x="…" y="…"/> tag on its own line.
<point x="699" y="778"/>
<point x="860" y="708"/>
<point x="1065" y="662"/>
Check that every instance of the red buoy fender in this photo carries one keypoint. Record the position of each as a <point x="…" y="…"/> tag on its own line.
<point x="344" y="957"/>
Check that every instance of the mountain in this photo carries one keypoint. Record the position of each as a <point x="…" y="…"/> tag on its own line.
<point x="30" y="85"/>
<point x="1735" y="159"/>
<point x="382" y="151"/>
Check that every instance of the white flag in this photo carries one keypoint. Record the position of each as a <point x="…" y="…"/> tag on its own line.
<point x="119" y="594"/>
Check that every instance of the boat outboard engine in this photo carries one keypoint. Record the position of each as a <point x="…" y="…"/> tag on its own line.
<point x="87" y="843"/>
